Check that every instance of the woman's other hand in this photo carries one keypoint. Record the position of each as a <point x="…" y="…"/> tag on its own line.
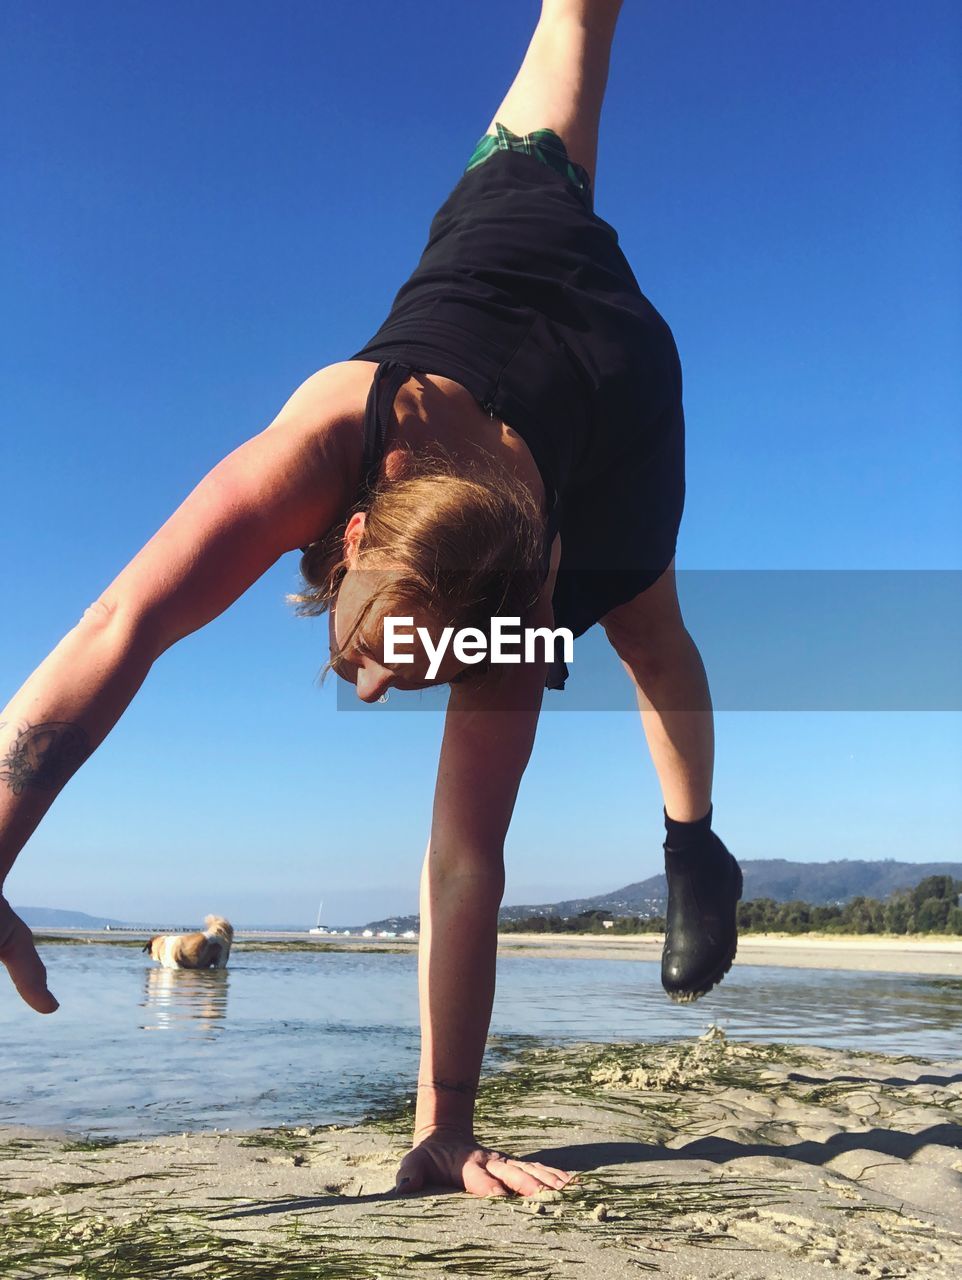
<point x="26" y="969"/>
<point x="458" y="1160"/>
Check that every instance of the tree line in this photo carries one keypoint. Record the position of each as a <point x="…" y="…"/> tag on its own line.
<point x="931" y="907"/>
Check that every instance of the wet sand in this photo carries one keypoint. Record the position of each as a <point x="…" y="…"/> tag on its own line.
<point x="707" y="1158"/>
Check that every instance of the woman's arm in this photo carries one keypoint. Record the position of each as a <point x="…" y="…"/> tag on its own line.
<point x="483" y="756"/>
<point x="278" y="491"/>
<point x="488" y="736"/>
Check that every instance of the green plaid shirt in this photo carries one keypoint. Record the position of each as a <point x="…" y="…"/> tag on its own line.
<point x="544" y="145"/>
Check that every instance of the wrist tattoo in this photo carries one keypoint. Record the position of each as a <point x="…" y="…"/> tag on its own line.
<point x="450" y="1086"/>
<point x="42" y="757"/>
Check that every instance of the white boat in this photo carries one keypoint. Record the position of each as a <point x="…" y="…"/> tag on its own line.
<point x="319" y="928"/>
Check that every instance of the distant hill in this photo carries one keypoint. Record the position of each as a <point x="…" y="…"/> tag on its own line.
<point x="819" y="883"/>
<point x="51" y="918"/>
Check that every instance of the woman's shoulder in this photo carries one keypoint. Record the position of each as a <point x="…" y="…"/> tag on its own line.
<point x="327" y="411"/>
<point x="329" y="400"/>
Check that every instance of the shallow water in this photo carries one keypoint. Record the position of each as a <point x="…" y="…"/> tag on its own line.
<point x="317" y="1038"/>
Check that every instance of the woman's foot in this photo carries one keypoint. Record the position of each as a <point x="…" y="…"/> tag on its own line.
<point x="701" y="931"/>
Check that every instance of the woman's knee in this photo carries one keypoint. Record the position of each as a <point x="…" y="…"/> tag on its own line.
<point x="650" y="623"/>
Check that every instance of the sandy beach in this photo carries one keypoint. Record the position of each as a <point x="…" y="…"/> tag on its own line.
<point x="708" y="1159"/>
<point x="931" y="954"/>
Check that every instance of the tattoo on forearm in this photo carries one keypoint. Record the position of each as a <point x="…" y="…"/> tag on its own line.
<point x="450" y="1086"/>
<point x="42" y="757"/>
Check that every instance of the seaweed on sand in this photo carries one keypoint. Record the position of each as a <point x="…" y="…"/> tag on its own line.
<point x="161" y="1245"/>
<point x="171" y="1244"/>
<point x="281" y="1138"/>
<point x="89" y="1143"/>
<point x="640" y="1085"/>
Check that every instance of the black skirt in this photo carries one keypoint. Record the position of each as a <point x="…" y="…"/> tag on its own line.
<point x="524" y="297"/>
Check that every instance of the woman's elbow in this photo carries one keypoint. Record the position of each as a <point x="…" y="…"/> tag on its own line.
<point x="113" y="620"/>
<point x="461" y="868"/>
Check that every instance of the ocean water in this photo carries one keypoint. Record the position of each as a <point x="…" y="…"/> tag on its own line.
<point x="318" y="1038"/>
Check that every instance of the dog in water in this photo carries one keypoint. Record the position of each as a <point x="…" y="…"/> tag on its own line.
<point x="207" y="950"/>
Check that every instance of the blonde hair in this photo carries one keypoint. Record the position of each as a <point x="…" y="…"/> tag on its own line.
<point x="464" y="545"/>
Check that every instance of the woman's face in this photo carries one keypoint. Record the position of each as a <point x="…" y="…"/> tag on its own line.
<point x="364" y="663"/>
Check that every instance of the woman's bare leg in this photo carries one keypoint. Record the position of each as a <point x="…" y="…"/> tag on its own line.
<point x="560" y="85"/>
<point x="649" y="635"/>
<point x="704" y="882"/>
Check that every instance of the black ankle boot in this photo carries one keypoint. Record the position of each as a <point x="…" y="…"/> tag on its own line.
<point x="701" y="933"/>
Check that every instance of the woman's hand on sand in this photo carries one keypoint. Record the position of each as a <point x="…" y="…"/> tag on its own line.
<point x="458" y="1160"/>
<point x="26" y="969"/>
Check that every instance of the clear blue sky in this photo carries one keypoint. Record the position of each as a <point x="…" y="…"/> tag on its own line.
<point x="205" y="203"/>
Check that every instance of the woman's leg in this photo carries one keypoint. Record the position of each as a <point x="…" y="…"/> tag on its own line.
<point x="704" y="880"/>
<point x="649" y="635"/>
<point x="560" y="85"/>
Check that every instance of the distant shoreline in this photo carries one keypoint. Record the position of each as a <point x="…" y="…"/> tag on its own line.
<point x="933" y="954"/>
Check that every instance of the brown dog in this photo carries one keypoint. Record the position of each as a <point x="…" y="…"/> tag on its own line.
<point x="207" y="950"/>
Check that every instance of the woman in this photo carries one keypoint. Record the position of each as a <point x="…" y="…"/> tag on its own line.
<point x="510" y="443"/>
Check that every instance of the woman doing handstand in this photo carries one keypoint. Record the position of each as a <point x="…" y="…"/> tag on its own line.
<point x="509" y="443"/>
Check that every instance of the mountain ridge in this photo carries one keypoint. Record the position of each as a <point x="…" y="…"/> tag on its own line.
<point x="818" y="883"/>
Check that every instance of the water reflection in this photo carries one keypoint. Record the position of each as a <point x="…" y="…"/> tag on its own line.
<point x="623" y="1000"/>
<point x="176" y="997"/>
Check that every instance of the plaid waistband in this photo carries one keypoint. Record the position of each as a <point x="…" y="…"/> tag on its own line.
<point x="544" y="145"/>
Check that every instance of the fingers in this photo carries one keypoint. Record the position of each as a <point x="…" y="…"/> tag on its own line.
<point x="478" y="1181"/>
<point x="553" y="1178"/>
<point x="26" y="969"/>
<point x="526" y="1177"/>
<point x="30" y="978"/>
